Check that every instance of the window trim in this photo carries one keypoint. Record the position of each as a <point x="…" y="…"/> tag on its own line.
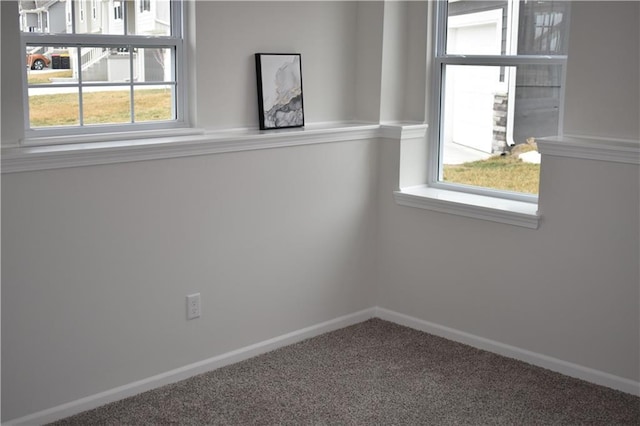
<point x="440" y="59"/>
<point x="493" y="209"/>
<point x="193" y="142"/>
<point x="175" y="40"/>
<point x="117" y="11"/>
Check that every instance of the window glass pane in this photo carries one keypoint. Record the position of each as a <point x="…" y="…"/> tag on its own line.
<point x="154" y="103"/>
<point x="477" y="27"/>
<point x="543" y="28"/>
<point x="105" y="64"/>
<point x="115" y="18"/>
<point x="154" y="64"/>
<point x="106" y="105"/>
<point x="50" y="107"/>
<point x="99" y="17"/>
<point x="489" y="125"/>
<point x="111" y="64"/>
<point x="50" y="65"/>
<point x="53" y="17"/>
<point x="95" y="82"/>
<point x="507" y="27"/>
<point x="88" y="16"/>
<point x="151" y="17"/>
<point x="537" y="102"/>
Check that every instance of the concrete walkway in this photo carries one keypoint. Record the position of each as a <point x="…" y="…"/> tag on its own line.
<point x="458" y="154"/>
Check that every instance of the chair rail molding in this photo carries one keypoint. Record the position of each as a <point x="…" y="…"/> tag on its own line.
<point x="591" y="148"/>
<point x="56" y="156"/>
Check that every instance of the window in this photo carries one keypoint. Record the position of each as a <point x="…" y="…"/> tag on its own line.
<point x="145" y="5"/>
<point x="117" y="10"/>
<point x="95" y="77"/>
<point x="499" y="69"/>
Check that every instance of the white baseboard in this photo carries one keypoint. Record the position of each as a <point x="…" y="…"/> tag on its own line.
<point x="544" y="361"/>
<point x="550" y="363"/>
<point x="93" y="401"/>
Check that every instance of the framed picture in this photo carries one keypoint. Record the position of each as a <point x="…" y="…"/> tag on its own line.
<point x="279" y="90"/>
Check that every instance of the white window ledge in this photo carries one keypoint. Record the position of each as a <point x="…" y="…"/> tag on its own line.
<point x="402" y="130"/>
<point x="29" y="158"/>
<point x="518" y="213"/>
<point x="591" y="148"/>
<point x="107" y="137"/>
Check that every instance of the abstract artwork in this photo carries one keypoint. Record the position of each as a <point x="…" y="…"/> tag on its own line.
<point x="279" y="90"/>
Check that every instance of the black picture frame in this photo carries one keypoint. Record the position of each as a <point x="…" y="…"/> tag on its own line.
<point x="280" y="100"/>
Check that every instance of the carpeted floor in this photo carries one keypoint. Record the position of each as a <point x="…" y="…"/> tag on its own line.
<point x="372" y="373"/>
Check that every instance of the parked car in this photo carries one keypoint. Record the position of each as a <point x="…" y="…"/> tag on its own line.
<point x="37" y="61"/>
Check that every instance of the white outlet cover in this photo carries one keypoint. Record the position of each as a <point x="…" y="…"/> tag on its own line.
<point x="193" y="306"/>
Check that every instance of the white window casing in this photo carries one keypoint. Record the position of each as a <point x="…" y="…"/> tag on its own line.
<point x="441" y="59"/>
<point x="512" y="208"/>
<point x="75" y="41"/>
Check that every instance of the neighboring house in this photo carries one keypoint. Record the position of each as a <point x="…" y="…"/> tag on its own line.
<point x="42" y="16"/>
<point x="513" y="107"/>
<point x="150" y="17"/>
<point x="107" y="16"/>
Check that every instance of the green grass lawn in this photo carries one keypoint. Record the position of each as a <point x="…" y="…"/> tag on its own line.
<point x="500" y="172"/>
<point x="44" y="78"/>
<point x="99" y="107"/>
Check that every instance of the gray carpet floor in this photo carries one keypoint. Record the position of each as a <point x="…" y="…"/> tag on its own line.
<point x="372" y="373"/>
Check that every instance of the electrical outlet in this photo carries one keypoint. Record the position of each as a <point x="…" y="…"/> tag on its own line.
<point x="193" y="306"/>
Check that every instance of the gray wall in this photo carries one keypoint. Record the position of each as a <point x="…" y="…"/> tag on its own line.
<point x="571" y="288"/>
<point x="568" y="290"/>
<point x="603" y="81"/>
<point x="228" y="34"/>
<point x="96" y="261"/>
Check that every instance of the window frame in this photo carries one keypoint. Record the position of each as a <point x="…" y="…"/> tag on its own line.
<point x="94" y="10"/>
<point x="117" y="11"/>
<point x="174" y="41"/>
<point x="145" y="6"/>
<point x="440" y="59"/>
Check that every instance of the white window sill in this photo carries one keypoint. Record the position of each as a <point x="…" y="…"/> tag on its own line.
<point x="591" y="148"/>
<point x="30" y="158"/>
<point x="517" y="213"/>
<point x="108" y="137"/>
